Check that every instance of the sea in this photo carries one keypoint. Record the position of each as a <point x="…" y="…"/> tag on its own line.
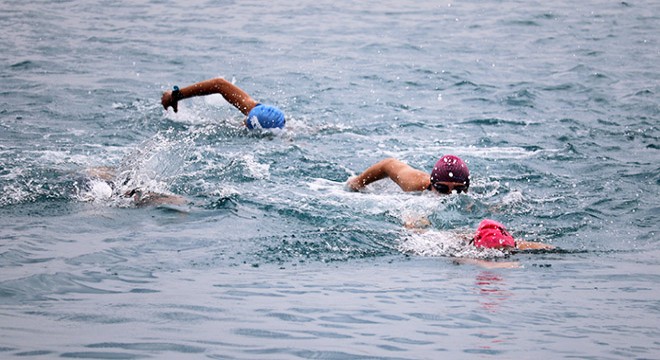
<point x="554" y="106"/>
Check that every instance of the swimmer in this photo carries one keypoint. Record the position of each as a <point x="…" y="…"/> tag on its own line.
<point x="258" y="115"/>
<point x="491" y="234"/>
<point x="449" y="174"/>
<point x="139" y="197"/>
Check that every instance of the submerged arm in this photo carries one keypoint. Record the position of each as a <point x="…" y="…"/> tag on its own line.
<point x="530" y="245"/>
<point x="488" y="264"/>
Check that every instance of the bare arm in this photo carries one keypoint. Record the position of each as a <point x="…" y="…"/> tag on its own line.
<point x="106" y="173"/>
<point x="232" y="93"/>
<point x="150" y="198"/>
<point x="402" y="174"/>
<point x="529" y="245"/>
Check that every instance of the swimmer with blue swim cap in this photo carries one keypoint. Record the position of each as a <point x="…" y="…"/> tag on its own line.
<point x="258" y="115"/>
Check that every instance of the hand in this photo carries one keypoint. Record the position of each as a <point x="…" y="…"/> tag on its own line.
<point x="352" y="184"/>
<point x="167" y="100"/>
<point x="416" y="223"/>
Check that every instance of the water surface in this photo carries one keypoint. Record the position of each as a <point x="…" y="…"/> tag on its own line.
<point x="554" y="107"/>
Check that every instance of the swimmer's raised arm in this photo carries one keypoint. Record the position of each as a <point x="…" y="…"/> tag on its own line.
<point x="232" y="93"/>
<point x="402" y="174"/>
<point x="258" y="115"/>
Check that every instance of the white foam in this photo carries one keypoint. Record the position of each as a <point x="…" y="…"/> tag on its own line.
<point x="216" y="190"/>
<point x="379" y="198"/>
<point x="216" y="100"/>
<point x="99" y="191"/>
<point x="513" y="198"/>
<point x="14" y="194"/>
<point x="255" y="169"/>
<point x="62" y="157"/>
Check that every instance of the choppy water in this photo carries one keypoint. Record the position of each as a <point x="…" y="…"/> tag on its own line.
<point x="554" y="105"/>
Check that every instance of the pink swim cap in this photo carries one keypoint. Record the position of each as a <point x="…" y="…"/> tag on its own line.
<point x="450" y="168"/>
<point x="491" y="234"/>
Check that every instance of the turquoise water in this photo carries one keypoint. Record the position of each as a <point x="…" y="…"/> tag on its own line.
<point x="553" y="105"/>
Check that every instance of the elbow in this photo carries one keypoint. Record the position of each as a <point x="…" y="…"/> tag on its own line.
<point x="388" y="161"/>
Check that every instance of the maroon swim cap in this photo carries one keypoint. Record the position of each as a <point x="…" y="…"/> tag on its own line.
<point x="450" y="168"/>
<point x="492" y="234"/>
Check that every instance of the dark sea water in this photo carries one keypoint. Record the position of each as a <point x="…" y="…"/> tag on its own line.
<point x="554" y="105"/>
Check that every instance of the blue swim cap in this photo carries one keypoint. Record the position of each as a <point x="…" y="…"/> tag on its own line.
<point x="265" y="116"/>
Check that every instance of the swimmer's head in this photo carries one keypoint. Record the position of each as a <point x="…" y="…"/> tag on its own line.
<point x="265" y="117"/>
<point x="491" y="234"/>
<point x="450" y="173"/>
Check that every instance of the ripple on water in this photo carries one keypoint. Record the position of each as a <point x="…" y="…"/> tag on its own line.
<point x="44" y="287"/>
